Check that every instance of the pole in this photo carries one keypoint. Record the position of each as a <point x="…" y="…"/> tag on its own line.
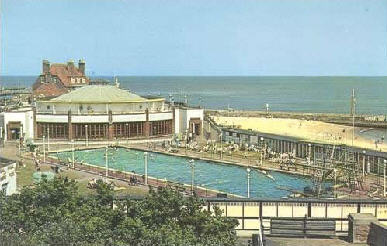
<point x="353" y="115"/>
<point x="221" y="146"/>
<point x="384" y="178"/>
<point x="19" y="146"/>
<point x="186" y="141"/>
<point x="87" y="134"/>
<point x="20" y="138"/>
<point x="192" y="164"/>
<point x="248" y="182"/>
<point x="364" y="163"/>
<point x="378" y="171"/>
<point x="73" y="152"/>
<point x="263" y="148"/>
<point x="261" y="157"/>
<point x="44" y="150"/>
<point x="106" y="163"/>
<point x="146" y="167"/>
<point x="48" y="138"/>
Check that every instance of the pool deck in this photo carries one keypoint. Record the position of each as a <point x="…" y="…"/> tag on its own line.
<point x="266" y="165"/>
<point x="250" y="161"/>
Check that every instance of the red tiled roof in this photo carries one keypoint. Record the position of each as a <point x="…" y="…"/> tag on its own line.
<point x="57" y="80"/>
<point x="65" y="72"/>
<point x="48" y="90"/>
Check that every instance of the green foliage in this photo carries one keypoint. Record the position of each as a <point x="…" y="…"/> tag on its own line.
<point x="53" y="213"/>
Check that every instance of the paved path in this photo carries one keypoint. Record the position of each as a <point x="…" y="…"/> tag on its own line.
<point x="283" y="241"/>
<point x="306" y="242"/>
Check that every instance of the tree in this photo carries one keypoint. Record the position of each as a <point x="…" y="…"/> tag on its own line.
<point x="54" y="212"/>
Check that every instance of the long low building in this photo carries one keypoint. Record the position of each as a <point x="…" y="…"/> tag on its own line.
<point x="103" y="112"/>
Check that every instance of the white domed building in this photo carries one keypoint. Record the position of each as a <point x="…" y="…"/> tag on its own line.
<point x="103" y="112"/>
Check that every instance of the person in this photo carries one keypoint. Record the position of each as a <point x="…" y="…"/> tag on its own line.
<point x="37" y="162"/>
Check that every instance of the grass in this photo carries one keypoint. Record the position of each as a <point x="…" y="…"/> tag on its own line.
<point x="24" y="174"/>
<point x="24" y="178"/>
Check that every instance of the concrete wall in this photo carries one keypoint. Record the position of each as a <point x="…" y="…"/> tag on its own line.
<point x="183" y="116"/>
<point x="177" y="121"/>
<point x="24" y="117"/>
<point x="378" y="234"/>
<point x="8" y="179"/>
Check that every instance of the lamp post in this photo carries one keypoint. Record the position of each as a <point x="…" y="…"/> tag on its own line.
<point x="48" y="138"/>
<point x="221" y="146"/>
<point x="186" y="141"/>
<point x="364" y="152"/>
<point x="384" y="178"/>
<point x="262" y="150"/>
<point x="87" y="135"/>
<point x="19" y="146"/>
<point x="21" y="139"/>
<point x="127" y="133"/>
<point x="44" y="149"/>
<point x="192" y="165"/>
<point x="73" y="152"/>
<point x="146" y="168"/>
<point x="106" y="163"/>
<point x="248" y="182"/>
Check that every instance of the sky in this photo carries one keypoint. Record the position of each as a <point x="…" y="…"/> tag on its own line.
<point x="197" y="37"/>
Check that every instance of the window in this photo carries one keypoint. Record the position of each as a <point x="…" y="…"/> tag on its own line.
<point x="48" y="107"/>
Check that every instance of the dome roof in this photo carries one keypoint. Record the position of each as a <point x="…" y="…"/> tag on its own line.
<point x="99" y="94"/>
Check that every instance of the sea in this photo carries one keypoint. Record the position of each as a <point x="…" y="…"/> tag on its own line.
<point x="281" y="93"/>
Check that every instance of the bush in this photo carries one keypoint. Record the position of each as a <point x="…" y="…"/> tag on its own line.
<point x="54" y="213"/>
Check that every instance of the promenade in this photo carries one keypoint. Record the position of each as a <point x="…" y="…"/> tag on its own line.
<point x="305" y="130"/>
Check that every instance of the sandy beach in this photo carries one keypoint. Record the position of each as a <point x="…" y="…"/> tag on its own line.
<point x="308" y="130"/>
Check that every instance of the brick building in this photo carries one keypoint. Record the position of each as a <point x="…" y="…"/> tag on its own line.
<point x="59" y="78"/>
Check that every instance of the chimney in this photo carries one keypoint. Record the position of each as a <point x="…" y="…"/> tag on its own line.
<point x="70" y="63"/>
<point x="81" y="66"/>
<point x="46" y="67"/>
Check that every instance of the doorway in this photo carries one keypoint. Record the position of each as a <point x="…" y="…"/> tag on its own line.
<point x="13" y="130"/>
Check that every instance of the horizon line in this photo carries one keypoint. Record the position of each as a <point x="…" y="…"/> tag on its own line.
<point x="128" y="75"/>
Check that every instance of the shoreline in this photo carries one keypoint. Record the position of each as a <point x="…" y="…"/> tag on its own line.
<point x="361" y="120"/>
<point x="306" y="130"/>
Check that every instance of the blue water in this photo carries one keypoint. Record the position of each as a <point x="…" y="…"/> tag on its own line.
<point x="222" y="177"/>
<point x="302" y="94"/>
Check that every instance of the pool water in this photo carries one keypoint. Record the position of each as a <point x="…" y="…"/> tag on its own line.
<point x="212" y="175"/>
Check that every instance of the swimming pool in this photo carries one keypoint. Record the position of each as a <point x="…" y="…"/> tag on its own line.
<point x="212" y="175"/>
